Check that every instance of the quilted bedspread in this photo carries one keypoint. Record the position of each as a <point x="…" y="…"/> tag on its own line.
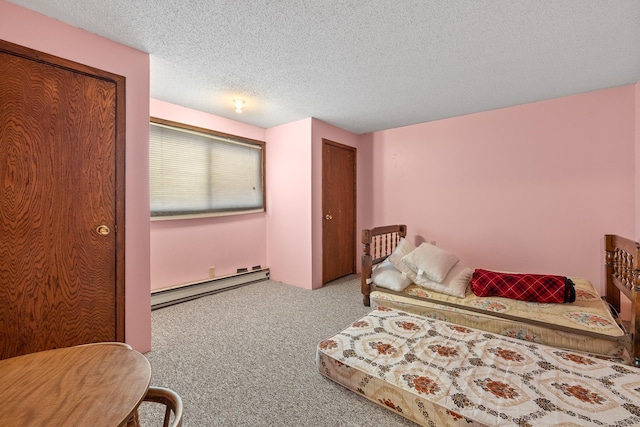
<point x="588" y="313"/>
<point x="438" y="373"/>
<point x="585" y="325"/>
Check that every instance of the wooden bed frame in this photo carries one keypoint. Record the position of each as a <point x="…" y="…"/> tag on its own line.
<point x="622" y="261"/>
<point x="623" y="276"/>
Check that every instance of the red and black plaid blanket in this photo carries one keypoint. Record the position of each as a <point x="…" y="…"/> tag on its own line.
<point x="524" y="287"/>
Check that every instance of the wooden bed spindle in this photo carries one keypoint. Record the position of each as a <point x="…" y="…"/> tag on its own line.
<point x="365" y="272"/>
<point x="376" y="245"/>
<point x="386" y="242"/>
<point x="611" y="292"/>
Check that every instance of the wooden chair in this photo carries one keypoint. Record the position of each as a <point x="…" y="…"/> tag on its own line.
<point x="166" y="397"/>
<point x="171" y="400"/>
<point x="162" y="395"/>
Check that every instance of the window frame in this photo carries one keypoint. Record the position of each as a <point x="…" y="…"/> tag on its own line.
<point x="217" y="134"/>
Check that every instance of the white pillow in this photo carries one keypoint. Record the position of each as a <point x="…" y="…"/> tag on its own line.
<point x="404" y="247"/>
<point x="387" y="276"/>
<point x="455" y="284"/>
<point x="430" y="262"/>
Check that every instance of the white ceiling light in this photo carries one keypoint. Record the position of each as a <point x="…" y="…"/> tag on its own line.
<point x="239" y="103"/>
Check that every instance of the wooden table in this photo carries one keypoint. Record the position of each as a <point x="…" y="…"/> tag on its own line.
<point x="94" y="385"/>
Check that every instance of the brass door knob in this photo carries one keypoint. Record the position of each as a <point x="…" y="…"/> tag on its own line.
<point x="103" y="230"/>
<point x="327" y="217"/>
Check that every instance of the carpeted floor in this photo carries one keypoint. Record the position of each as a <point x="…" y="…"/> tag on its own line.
<point x="246" y="357"/>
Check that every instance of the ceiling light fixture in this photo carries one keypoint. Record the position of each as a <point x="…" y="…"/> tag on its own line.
<point x="239" y="103"/>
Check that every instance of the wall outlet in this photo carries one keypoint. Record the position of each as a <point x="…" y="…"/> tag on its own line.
<point x="212" y="272"/>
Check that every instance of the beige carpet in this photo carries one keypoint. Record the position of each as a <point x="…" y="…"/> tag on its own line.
<point x="246" y="357"/>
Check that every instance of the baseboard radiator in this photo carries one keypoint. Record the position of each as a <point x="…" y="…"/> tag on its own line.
<point x="181" y="293"/>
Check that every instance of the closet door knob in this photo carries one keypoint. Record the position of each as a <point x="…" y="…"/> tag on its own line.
<point x="103" y="230"/>
<point x="328" y="217"/>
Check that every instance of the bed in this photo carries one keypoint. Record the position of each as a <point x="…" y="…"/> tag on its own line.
<point x="589" y="325"/>
<point x="441" y="374"/>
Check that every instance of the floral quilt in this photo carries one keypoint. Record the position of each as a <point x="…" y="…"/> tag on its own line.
<point x="437" y="373"/>
<point x="585" y="325"/>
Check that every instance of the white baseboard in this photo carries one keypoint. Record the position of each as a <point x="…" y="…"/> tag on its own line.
<point x="176" y="294"/>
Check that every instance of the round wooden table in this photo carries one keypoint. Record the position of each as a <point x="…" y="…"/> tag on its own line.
<point x="93" y="385"/>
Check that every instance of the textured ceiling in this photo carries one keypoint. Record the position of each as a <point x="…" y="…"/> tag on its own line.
<point x="367" y="65"/>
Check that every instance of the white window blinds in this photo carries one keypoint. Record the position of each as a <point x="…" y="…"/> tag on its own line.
<point x="194" y="174"/>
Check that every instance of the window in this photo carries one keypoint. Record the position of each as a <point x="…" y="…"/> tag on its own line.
<point x="195" y="172"/>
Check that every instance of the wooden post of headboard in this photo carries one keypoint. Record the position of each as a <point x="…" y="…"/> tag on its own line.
<point x="367" y="265"/>
<point x="612" y="292"/>
<point x="623" y="276"/>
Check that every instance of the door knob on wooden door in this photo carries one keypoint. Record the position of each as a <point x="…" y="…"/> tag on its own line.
<point x="103" y="230"/>
<point x="328" y="217"/>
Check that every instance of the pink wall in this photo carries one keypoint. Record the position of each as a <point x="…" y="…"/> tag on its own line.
<point x="625" y="303"/>
<point x="183" y="250"/>
<point x="527" y="188"/>
<point x="637" y="158"/>
<point x="289" y="186"/>
<point x="30" y="29"/>
<point x="366" y="192"/>
<point x="319" y="131"/>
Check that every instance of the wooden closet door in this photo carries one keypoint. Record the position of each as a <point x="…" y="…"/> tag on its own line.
<point x="339" y="210"/>
<point x="61" y="199"/>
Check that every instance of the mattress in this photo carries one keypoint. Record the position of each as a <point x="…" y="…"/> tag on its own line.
<point x="438" y="373"/>
<point x="585" y="325"/>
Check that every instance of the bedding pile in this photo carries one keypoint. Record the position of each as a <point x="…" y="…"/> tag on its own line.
<point x="428" y="266"/>
<point x="431" y="267"/>
<point x="437" y="373"/>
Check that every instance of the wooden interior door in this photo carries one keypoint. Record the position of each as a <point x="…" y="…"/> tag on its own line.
<point x="339" y="210"/>
<point x="61" y="203"/>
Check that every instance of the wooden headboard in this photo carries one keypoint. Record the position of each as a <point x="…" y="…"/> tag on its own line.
<point x="378" y="243"/>
<point x="623" y="276"/>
